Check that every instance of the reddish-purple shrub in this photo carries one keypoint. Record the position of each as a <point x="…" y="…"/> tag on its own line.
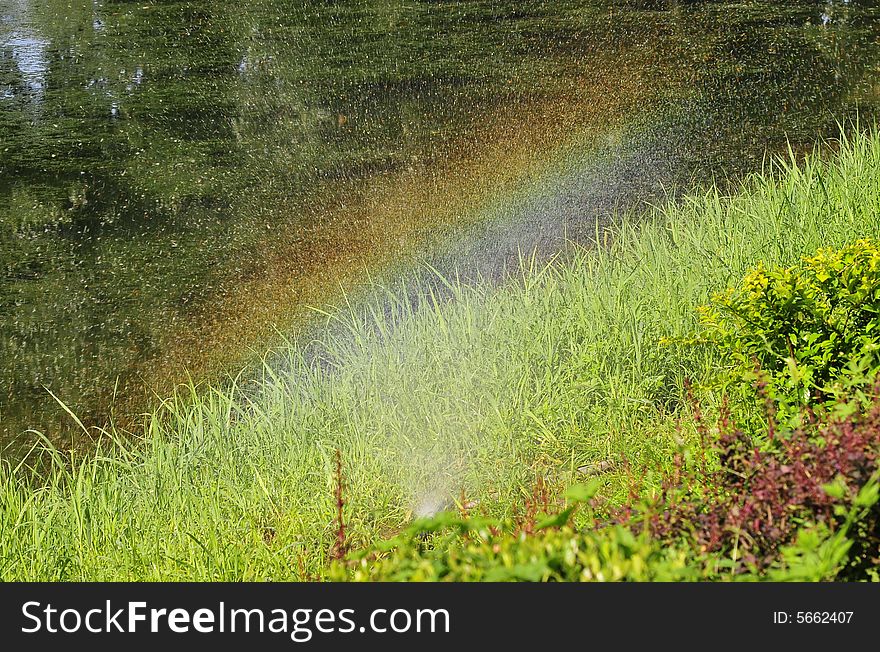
<point x="751" y="499"/>
<point x="340" y="544"/>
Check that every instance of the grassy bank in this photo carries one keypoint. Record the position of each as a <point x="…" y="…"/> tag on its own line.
<point x="476" y="392"/>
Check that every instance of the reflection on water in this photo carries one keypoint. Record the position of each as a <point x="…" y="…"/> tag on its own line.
<point x="20" y="40"/>
<point x="179" y="177"/>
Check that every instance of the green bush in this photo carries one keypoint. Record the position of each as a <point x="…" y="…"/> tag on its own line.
<point x="803" y="325"/>
<point x="459" y="549"/>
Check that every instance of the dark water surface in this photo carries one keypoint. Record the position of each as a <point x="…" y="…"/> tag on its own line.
<point x="177" y="178"/>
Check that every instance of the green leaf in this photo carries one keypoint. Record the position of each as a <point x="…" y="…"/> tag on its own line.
<point x="524" y="572"/>
<point x="868" y="495"/>
<point x="836" y="489"/>
<point x="582" y="493"/>
<point x="558" y="520"/>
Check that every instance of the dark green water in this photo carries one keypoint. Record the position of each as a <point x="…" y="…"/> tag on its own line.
<point x="151" y="151"/>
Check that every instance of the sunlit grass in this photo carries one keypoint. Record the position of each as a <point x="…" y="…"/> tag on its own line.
<point x="475" y="389"/>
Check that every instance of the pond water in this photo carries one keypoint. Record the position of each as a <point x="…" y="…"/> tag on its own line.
<point x="178" y="179"/>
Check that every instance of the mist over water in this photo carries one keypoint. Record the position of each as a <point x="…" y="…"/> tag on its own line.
<point x="178" y="180"/>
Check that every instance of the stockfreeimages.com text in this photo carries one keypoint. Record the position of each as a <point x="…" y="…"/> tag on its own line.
<point x="299" y="624"/>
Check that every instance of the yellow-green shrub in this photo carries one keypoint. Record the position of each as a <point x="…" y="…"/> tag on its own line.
<point x="803" y="325"/>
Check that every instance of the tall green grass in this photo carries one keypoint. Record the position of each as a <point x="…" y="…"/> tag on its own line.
<point x="476" y="389"/>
